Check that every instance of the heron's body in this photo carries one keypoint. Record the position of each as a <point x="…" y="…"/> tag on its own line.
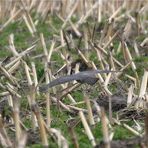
<point x="88" y="77"/>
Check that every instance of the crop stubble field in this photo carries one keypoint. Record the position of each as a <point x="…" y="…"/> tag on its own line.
<point x="43" y="40"/>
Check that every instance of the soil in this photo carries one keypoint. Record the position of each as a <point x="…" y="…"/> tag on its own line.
<point x="126" y="143"/>
<point x="118" y="101"/>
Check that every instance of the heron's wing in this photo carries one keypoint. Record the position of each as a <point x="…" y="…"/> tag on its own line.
<point x="57" y="81"/>
<point x="92" y="73"/>
<point x="88" y="77"/>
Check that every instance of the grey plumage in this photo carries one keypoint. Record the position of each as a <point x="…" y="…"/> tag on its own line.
<point x="88" y="77"/>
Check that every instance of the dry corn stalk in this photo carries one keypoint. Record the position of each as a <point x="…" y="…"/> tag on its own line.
<point x="73" y="134"/>
<point x="11" y="78"/>
<point x="60" y="139"/>
<point x="77" y="108"/>
<point x="41" y="124"/>
<point x="55" y="100"/>
<point x="136" y="49"/>
<point x="116" y="13"/>
<point x="132" y="130"/>
<point x="19" y="56"/>
<point x="11" y="45"/>
<point x="110" y="40"/>
<point x="70" y="14"/>
<point x="51" y="51"/>
<point x="28" y="25"/>
<point x="16" y="118"/>
<point x="75" y="29"/>
<point x="4" y="139"/>
<point x="143" y="84"/>
<point x="48" y="102"/>
<point x="22" y="140"/>
<point x="90" y="114"/>
<point x="14" y="67"/>
<point x="130" y="95"/>
<point x="100" y="59"/>
<point x="10" y="20"/>
<point x="105" y="131"/>
<point x="44" y="45"/>
<point x="34" y="74"/>
<point x="31" y="95"/>
<point x="142" y="99"/>
<point x="99" y="13"/>
<point x="87" y="128"/>
<point x="68" y="90"/>
<point x="84" y="17"/>
<point x="127" y="56"/>
<point x="47" y="73"/>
